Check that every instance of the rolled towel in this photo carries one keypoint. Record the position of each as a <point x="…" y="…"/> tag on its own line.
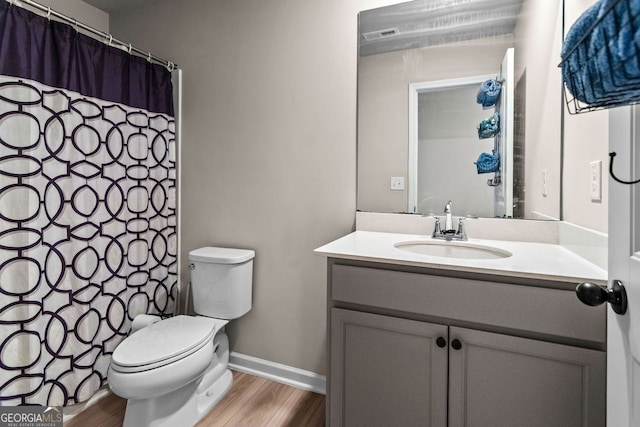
<point x="614" y="45"/>
<point x="489" y="93"/>
<point x="488" y="163"/>
<point x="489" y="127"/>
<point x="575" y="56"/>
<point x="604" y="68"/>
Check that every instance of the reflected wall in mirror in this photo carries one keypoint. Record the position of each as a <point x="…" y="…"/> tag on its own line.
<point x="434" y="40"/>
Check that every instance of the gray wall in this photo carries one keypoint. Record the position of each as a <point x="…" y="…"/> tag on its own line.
<point x="269" y="148"/>
<point x="586" y="139"/>
<point x="79" y="10"/>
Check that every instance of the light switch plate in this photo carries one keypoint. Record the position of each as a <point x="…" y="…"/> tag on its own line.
<point x="397" y="183"/>
<point x="595" y="181"/>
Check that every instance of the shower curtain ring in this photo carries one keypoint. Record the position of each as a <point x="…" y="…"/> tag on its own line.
<point x="149" y="56"/>
<point x="110" y="39"/>
<point x="75" y="24"/>
<point x="49" y="13"/>
<point x="129" y="48"/>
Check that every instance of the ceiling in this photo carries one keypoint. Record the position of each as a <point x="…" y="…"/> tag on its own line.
<point x="116" y="6"/>
<point x="422" y="23"/>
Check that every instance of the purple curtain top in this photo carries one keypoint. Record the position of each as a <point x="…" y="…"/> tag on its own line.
<point x="55" y="54"/>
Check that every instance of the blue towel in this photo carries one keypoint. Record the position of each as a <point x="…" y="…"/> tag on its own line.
<point x="605" y="67"/>
<point x="489" y="93"/>
<point x="613" y="47"/>
<point x="615" y="42"/>
<point x="489" y="127"/>
<point x="488" y="163"/>
<point x="573" y="66"/>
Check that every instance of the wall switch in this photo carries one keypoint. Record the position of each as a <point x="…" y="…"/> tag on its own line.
<point x="397" y="183"/>
<point x="545" y="178"/>
<point x="595" y="181"/>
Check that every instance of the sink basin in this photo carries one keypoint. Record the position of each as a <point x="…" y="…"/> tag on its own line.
<point x="446" y="249"/>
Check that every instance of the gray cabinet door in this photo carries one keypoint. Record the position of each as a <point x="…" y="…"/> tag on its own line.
<point x="503" y="381"/>
<point x="386" y="371"/>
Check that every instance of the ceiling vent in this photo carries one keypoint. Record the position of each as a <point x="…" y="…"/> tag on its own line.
<point x="381" y="34"/>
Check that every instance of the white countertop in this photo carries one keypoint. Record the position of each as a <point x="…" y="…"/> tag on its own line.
<point x="529" y="260"/>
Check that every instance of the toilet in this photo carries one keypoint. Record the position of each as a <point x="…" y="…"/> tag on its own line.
<point x="174" y="371"/>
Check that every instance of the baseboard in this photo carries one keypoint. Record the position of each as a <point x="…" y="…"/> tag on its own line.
<point x="284" y="374"/>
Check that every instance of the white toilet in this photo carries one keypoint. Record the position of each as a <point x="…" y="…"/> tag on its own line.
<point x="174" y="371"/>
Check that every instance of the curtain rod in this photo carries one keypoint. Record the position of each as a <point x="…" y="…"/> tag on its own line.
<point x="108" y="38"/>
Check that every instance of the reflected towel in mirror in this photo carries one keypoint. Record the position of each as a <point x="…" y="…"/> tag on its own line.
<point x="488" y="163"/>
<point x="489" y="93"/>
<point x="489" y="127"/>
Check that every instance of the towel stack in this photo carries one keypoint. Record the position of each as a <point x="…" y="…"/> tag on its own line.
<point x="488" y="95"/>
<point x="601" y="54"/>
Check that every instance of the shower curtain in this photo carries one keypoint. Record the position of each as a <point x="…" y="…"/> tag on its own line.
<point x="87" y="205"/>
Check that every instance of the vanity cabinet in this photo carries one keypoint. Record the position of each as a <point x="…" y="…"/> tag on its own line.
<point x="388" y="371"/>
<point x="414" y="346"/>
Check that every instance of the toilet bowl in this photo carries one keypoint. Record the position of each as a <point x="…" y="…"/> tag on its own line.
<point x="162" y="357"/>
<point x="173" y="372"/>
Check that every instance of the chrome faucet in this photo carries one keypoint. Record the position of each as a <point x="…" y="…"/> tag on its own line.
<point x="449" y="233"/>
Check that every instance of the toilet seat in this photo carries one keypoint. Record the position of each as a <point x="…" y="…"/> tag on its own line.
<point x="163" y="343"/>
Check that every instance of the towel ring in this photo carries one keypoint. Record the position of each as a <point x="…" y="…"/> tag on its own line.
<point x="611" y="156"/>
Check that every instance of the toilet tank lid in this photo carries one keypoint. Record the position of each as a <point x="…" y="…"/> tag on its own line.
<point x="216" y="255"/>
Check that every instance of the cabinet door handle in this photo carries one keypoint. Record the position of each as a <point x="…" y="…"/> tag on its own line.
<point x="456" y="344"/>
<point x="441" y="342"/>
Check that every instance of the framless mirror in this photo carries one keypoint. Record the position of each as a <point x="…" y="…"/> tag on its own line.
<point x="426" y="133"/>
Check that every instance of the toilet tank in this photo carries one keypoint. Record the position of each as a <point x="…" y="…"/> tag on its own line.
<point x="221" y="281"/>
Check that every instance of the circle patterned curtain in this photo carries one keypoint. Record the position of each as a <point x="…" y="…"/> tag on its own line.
<point x="87" y="236"/>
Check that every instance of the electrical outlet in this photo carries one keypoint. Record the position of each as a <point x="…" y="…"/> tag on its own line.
<point x="397" y="183"/>
<point x="545" y="178"/>
<point x="595" y="181"/>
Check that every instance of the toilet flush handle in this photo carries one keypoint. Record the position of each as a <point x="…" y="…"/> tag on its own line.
<point x="192" y="266"/>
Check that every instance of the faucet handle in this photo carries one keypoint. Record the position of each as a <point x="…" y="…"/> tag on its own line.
<point x="436" y="229"/>
<point x="461" y="233"/>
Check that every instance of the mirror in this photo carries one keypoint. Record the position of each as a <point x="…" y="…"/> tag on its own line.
<point x="420" y="67"/>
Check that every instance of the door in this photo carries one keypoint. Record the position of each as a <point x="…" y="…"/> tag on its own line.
<point x="503" y="195"/>
<point x="505" y="381"/>
<point x="387" y="371"/>
<point x="623" y="331"/>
